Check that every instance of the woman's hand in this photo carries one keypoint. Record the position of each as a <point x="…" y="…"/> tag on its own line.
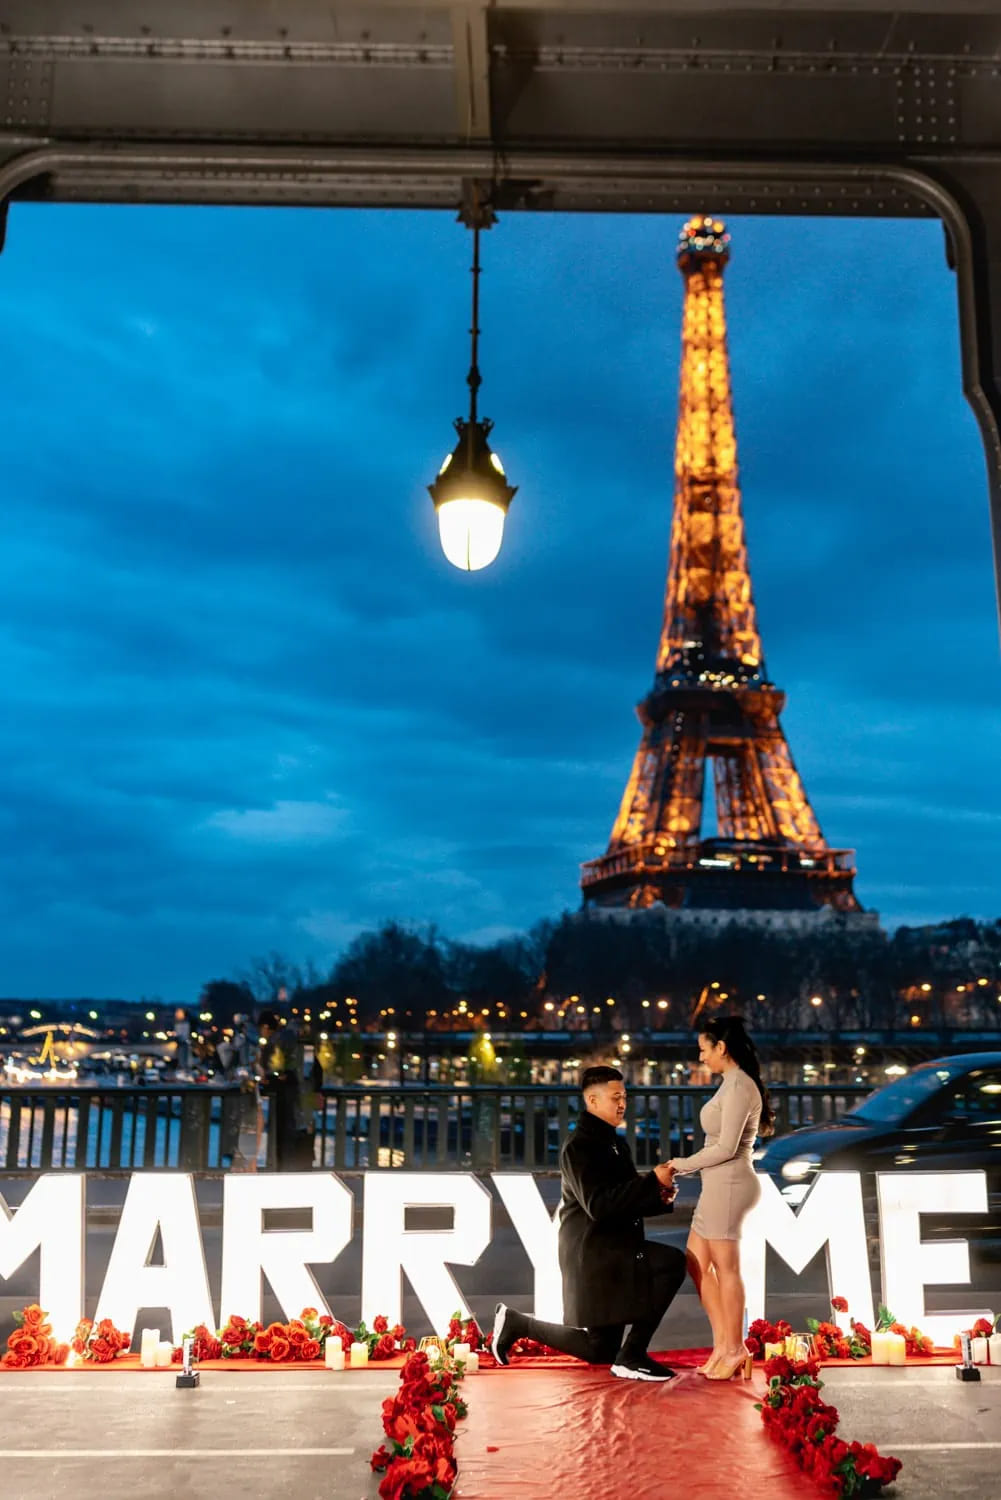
<point x="664" y="1173"/>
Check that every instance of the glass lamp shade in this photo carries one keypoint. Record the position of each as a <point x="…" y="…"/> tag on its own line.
<point x="471" y="496"/>
<point x="471" y="532"/>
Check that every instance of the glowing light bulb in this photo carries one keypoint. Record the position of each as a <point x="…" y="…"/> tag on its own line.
<point x="471" y="532"/>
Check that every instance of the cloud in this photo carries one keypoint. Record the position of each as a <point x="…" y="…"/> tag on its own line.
<point x="247" y="704"/>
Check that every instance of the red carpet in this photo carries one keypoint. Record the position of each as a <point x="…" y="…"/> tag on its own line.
<point x="541" y="1430"/>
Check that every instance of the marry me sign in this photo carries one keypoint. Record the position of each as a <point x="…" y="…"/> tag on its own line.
<point x="51" y="1220"/>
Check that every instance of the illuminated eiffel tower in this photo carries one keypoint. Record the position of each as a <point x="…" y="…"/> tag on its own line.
<point x="711" y="720"/>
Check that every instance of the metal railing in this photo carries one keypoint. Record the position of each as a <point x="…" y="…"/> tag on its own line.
<point x="478" y="1128"/>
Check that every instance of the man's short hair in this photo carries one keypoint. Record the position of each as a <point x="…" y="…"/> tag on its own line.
<point x="592" y="1077"/>
<point x="268" y="1018"/>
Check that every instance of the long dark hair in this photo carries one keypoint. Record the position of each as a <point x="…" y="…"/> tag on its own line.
<point x="730" y="1030"/>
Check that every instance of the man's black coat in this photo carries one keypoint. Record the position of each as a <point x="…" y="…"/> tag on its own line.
<point x="603" y="1250"/>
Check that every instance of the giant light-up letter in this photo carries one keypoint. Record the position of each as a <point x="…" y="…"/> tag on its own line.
<point x="537" y="1230"/>
<point x="164" y="1201"/>
<point x="389" y="1247"/>
<point x="910" y="1263"/>
<point x="283" y="1255"/>
<point x="831" y="1218"/>
<point x="50" y="1219"/>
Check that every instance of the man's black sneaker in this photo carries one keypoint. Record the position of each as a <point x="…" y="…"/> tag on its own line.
<point x="505" y="1334"/>
<point x="631" y="1367"/>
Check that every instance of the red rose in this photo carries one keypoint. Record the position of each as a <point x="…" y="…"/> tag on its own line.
<point x="839" y="1304"/>
<point x="296" y="1323"/>
<point x="33" y="1315"/>
<point x="24" y="1343"/>
<point x="309" y="1314"/>
<point x="297" y="1335"/>
<point x="408" y="1346"/>
<point x="310" y="1349"/>
<point x="101" y="1350"/>
<point x="380" y="1323"/>
<point x="381" y="1458"/>
<point x="231" y="1335"/>
<point x="280" y="1349"/>
<point x="385" y="1347"/>
<point x="262" y="1343"/>
<point x="325" y="1320"/>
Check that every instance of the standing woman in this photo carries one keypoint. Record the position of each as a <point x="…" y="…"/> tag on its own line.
<point x="737" y="1112"/>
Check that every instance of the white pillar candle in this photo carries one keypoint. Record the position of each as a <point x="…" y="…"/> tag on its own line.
<point x="897" y="1349"/>
<point x="460" y="1351"/>
<point x="359" y="1355"/>
<point x="773" y="1351"/>
<point x="164" y="1354"/>
<point x="979" y="1351"/>
<point x="881" y="1348"/>
<point x="149" y="1341"/>
<point x="332" y="1347"/>
<point x="472" y="1365"/>
<point x="994" y="1348"/>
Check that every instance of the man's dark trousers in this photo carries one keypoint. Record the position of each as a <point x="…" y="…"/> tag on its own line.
<point x="600" y="1345"/>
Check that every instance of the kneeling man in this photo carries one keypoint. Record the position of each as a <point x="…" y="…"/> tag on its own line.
<point x="614" y="1279"/>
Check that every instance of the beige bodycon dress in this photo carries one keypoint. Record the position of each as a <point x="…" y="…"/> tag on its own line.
<point x="730" y="1187"/>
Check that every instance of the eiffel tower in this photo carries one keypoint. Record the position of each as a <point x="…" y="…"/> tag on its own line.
<point x="712" y="711"/>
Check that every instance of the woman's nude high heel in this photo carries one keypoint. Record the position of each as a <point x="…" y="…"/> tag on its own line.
<point x="710" y="1363"/>
<point x="738" y="1366"/>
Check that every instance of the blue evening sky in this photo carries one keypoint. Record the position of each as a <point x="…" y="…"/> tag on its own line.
<point x="249" y="706"/>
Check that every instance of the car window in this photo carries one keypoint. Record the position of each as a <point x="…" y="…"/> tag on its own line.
<point x="978" y="1095"/>
<point x="895" y="1101"/>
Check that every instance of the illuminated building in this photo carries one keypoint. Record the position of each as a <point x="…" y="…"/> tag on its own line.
<point x="712" y="742"/>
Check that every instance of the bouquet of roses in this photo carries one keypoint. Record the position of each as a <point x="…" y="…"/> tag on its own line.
<point x="467" y="1331"/>
<point x="831" y="1343"/>
<point x="795" y="1414"/>
<point x="32" y="1343"/>
<point x="383" y="1341"/>
<point x="419" y="1422"/>
<point x="101" y="1343"/>
<point x="761" y="1332"/>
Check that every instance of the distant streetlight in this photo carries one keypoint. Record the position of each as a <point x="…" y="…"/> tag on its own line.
<point x="816" y="1000"/>
<point x="471" y="494"/>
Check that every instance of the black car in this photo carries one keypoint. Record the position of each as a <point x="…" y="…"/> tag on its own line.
<point x="943" y="1115"/>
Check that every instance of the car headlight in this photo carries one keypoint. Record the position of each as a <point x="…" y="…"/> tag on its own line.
<point x="798" y="1167"/>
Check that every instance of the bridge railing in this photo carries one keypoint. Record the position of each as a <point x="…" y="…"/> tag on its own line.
<point x="479" y="1128"/>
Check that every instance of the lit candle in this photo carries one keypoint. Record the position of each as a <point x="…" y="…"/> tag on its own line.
<point x="772" y="1351"/>
<point x="994" y="1348"/>
<point x="881" y="1348"/>
<point x="149" y="1340"/>
<point x="979" y="1351"/>
<point x="359" y="1355"/>
<point x="789" y="1346"/>
<point x="164" y="1354"/>
<point x="897" y="1348"/>
<point x="334" y="1347"/>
